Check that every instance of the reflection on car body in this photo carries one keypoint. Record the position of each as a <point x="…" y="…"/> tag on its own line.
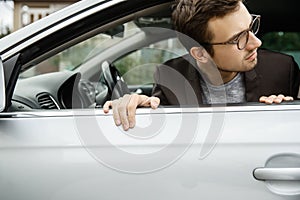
<point x="54" y="143"/>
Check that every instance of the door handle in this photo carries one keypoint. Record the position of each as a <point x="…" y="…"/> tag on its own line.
<point x="277" y="174"/>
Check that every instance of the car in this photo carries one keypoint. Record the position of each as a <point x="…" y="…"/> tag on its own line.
<point x="56" y="142"/>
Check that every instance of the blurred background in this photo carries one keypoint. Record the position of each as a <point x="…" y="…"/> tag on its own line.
<point x="15" y="14"/>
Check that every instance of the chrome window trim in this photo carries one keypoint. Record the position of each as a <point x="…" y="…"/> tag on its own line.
<point x="146" y="111"/>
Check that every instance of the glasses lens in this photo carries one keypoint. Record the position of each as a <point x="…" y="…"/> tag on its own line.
<point x="243" y="39"/>
<point x="255" y="25"/>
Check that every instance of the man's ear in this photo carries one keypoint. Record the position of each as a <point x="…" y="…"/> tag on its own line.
<point x="200" y="54"/>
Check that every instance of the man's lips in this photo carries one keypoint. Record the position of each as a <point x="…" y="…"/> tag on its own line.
<point x="252" y="56"/>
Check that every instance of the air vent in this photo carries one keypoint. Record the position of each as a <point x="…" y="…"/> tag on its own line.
<point x="46" y="101"/>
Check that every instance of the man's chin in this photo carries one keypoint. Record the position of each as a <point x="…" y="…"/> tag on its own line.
<point x="251" y="65"/>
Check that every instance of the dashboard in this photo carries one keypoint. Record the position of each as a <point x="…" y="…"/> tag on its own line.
<point x="57" y="90"/>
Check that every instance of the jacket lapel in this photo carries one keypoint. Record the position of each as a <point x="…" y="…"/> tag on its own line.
<point x="252" y="82"/>
<point x="193" y="78"/>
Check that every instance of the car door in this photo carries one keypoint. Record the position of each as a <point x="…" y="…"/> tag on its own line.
<point x="234" y="152"/>
<point x="248" y="151"/>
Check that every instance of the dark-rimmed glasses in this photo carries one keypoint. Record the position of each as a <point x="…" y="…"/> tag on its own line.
<point x="241" y="39"/>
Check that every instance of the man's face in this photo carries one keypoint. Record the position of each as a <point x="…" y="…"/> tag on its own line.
<point x="229" y="57"/>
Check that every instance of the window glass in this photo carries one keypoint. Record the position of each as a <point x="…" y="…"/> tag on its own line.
<point x="134" y="49"/>
<point x="138" y="66"/>
<point x="71" y="58"/>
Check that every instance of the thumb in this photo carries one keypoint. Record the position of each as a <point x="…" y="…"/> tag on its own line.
<point x="154" y="102"/>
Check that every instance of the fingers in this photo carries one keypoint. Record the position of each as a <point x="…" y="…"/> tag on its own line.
<point x="116" y="116"/>
<point x="124" y="108"/>
<point x="288" y="98"/>
<point x="106" y="106"/>
<point x="275" y="99"/>
<point x="120" y="111"/>
<point x="152" y="102"/>
<point x="131" y="109"/>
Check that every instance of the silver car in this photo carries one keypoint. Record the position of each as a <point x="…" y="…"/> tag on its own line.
<point x="56" y="143"/>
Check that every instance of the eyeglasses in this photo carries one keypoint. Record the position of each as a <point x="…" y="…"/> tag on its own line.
<point x="242" y="38"/>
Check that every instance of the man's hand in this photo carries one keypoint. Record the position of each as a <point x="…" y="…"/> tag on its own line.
<point x="124" y="108"/>
<point x="275" y="99"/>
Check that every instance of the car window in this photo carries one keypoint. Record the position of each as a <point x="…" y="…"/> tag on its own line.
<point x="73" y="57"/>
<point x="138" y="66"/>
<point x="133" y="47"/>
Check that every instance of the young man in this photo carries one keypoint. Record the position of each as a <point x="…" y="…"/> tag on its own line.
<point x="224" y="64"/>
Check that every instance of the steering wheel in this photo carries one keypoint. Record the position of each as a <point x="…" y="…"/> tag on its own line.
<point x="115" y="83"/>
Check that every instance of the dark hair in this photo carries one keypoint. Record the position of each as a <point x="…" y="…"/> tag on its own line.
<point x="190" y="18"/>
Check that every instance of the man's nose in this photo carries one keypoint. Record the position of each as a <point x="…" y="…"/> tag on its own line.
<point x="253" y="41"/>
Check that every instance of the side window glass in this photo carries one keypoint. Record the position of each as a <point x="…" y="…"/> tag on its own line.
<point x="74" y="56"/>
<point x="134" y="49"/>
<point x="51" y="82"/>
<point x="138" y="67"/>
<point x="285" y="42"/>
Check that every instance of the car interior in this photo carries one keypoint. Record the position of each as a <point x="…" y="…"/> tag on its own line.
<point x="107" y="61"/>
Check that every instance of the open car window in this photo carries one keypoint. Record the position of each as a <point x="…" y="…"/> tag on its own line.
<point x="73" y="77"/>
<point x="75" y="56"/>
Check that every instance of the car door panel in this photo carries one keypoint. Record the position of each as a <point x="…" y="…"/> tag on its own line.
<point x="82" y="154"/>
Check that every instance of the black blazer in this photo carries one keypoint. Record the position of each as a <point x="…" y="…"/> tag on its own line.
<point x="178" y="82"/>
